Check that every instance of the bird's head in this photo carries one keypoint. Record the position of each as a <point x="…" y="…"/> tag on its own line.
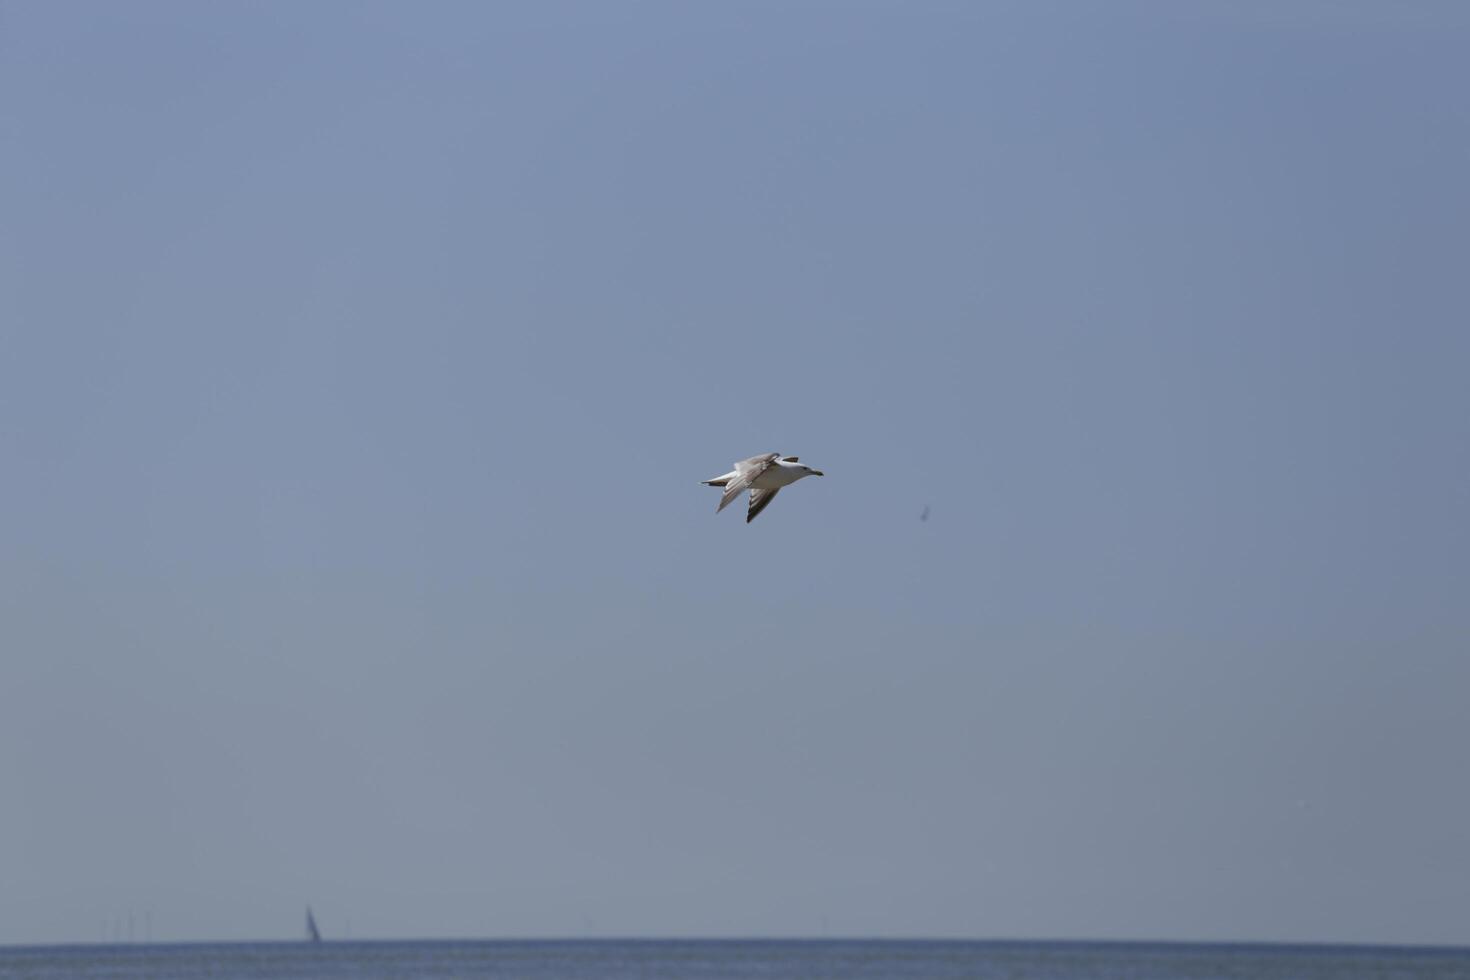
<point x="796" y="464"/>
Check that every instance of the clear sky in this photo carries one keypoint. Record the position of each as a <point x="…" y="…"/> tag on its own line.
<point x="359" y="364"/>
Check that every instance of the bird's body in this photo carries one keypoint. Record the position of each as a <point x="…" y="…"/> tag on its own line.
<point x="762" y="475"/>
<point x="773" y="477"/>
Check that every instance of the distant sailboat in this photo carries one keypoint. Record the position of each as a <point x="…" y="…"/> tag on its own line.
<point x="312" y="933"/>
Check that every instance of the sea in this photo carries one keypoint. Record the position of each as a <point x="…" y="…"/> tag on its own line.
<point x="705" y="959"/>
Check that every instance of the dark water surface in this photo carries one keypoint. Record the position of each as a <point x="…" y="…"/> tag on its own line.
<point x="772" y="959"/>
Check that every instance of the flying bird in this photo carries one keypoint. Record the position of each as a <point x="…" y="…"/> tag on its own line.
<point x="763" y="476"/>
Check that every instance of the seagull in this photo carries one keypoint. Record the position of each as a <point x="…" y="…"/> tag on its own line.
<point x="763" y="476"/>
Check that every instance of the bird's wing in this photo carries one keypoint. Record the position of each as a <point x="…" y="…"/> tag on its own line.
<point x="745" y="471"/>
<point x="757" y="463"/>
<point x="759" y="500"/>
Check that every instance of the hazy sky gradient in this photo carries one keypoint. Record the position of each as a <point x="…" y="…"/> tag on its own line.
<point x="358" y="364"/>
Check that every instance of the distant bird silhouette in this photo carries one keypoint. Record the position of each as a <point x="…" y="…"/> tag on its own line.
<point x="925" y="515"/>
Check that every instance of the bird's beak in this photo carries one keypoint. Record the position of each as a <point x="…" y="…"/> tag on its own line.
<point x="818" y="473"/>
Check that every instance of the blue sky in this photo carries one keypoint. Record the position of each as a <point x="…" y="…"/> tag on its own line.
<point x="359" y="364"/>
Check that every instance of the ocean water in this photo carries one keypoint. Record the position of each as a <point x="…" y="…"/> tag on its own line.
<point x="767" y="959"/>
